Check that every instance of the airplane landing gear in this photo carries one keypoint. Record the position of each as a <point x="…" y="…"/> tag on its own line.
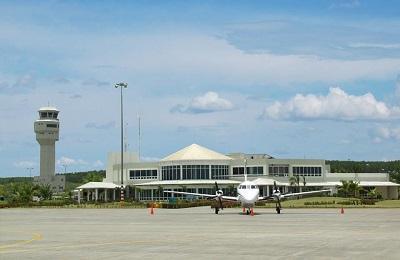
<point x="216" y="210"/>
<point x="278" y="210"/>
<point x="247" y="212"/>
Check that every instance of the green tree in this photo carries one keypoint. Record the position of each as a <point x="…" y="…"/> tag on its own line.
<point x="44" y="191"/>
<point x="21" y="192"/>
<point x="92" y="177"/>
<point x="292" y="182"/>
<point x="344" y="189"/>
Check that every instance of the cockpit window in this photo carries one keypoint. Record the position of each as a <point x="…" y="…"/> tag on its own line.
<point x="253" y="186"/>
<point x="242" y="187"/>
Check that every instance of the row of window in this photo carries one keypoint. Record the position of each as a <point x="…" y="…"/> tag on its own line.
<point x="171" y="172"/>
<point x="195" y="172"/>
<point x="143" y="174"/>
<point x="257" y="170"/>
<point x="307" y="171"/>
<point x="202" y="172"/>
<point x="280" y="170"/>
<point x="48" y="115"/>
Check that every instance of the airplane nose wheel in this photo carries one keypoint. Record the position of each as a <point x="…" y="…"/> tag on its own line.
<point x="247" y="212"/>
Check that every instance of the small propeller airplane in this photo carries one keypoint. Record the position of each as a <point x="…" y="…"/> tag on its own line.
<point x="248" y="195"/>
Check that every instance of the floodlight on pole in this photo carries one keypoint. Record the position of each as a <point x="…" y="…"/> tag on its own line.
<point x="122" y="85"/>
<point x="30" y="171"/>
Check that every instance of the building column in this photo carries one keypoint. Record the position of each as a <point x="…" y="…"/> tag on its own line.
<point x="105" y="195"/>
<point x="96" y="194"/>
<point x="87" y="195"/>
<point x="152" y="194"/>
<point x="126" y="191"/>
<point x="114" y="195"/>
<point x="79" y="196"/>
<point x="267" y="190"/>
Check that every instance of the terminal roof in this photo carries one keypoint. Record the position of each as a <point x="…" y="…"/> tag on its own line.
<point x="195" y="152"/>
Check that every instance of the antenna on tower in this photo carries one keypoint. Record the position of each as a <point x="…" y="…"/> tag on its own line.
<point x="139" y="135"/>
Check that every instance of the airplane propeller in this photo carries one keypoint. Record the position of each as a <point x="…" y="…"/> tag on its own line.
<point x="277" y="196"/>
<point x="219" y="193"/>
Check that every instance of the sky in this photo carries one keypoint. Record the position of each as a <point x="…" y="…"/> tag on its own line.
<point x="316" y="79"/>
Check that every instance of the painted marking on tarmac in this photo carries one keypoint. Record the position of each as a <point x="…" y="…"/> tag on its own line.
<point x="88" y="245"/>
<point x="35" y="237"/>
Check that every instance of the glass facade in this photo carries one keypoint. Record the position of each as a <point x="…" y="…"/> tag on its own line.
<point x="280" y="170"/>
<point x="143" y="174"/>
<point x="171" y="172"/>
<point x="257" y="170"/>
<point x="219" y="172"/>
<point x="195" y="172"/>
<point x="307" y="171"/>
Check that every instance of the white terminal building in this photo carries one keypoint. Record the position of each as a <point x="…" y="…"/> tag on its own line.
<point x="196" y="168"/>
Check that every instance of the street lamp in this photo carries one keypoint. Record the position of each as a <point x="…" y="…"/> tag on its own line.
<point x="122" y="85"/>
<point x="65" y="168"/>
<point x="30" y="171"/>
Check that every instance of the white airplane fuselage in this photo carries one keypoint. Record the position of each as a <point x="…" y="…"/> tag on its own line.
<point x="248" y="194"/>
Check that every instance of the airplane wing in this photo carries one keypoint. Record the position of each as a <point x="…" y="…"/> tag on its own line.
<point x="281" y="196"/>
<point x="223" y="197"/>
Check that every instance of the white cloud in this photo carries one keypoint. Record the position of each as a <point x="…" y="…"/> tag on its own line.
<point x="69" y="161"/>
<point x="24" y="164"/>
<point x="375" y="45"/>
<point x="337" y="105"/>
<point x="397" y="87"/>
<point x="98" y="164"/>
<point x="386" y="133"/>
<point x="209" y="102"/>
<point x="345" y="4"/>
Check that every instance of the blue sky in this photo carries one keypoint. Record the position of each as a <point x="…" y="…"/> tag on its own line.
<point x="313" y="80"/>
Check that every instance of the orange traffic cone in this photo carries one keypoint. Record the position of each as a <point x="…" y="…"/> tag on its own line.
<point x="252" y="212"/>
<point x="342" y="211"/>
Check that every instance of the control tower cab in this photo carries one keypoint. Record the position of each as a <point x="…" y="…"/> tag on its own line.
<point x="47" y="133"/>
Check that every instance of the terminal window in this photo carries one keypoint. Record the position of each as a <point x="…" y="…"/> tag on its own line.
<point x="195" y="172"/>
<point x="219" y="172"/>
<point x="143" y="174"/>
<point x="307" y="171"/>
<point x="172" y="172"/>
<point x="279" y="170"/>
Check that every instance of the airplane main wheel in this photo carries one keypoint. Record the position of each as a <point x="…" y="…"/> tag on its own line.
<point x="278" y="210"/>
<point x="216" y="210"/>
<point x="247" y="212"/>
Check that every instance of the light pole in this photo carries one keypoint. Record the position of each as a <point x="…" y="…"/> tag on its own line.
<point x="30" y="171"/>
<point x="122" y="85"/>
<point x="65" y="168"/>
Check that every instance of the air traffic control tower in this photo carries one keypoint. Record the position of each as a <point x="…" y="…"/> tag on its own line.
<point x="47" y="133"/>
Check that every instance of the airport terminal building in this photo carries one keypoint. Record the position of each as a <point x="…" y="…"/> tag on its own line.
<point x="196" y="168"/>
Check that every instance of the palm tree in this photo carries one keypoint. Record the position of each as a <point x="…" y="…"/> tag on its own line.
<point x="292" y="182"/>
<point x="344" y="189"/>
<point x="354" y="188"/>
<point x="298" y="182"/>
<point x="45" y="192"/>
<point x="304" y="182"/>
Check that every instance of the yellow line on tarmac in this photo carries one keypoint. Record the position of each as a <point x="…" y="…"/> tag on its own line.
<point x="35" y="237"/>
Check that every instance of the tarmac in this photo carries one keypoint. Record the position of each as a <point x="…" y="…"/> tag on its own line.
<point x="197" y="233"/>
